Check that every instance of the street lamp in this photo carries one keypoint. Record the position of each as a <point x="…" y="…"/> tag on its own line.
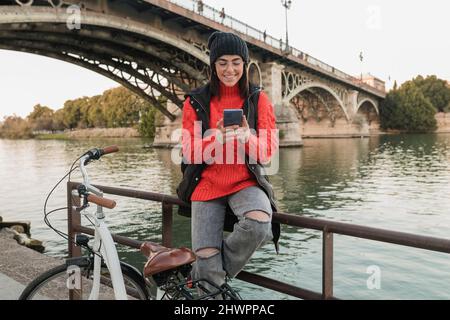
<point x="287" y="5"/>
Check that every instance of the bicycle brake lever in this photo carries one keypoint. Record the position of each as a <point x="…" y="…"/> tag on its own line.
<point x="94" y="154"/>
<point x="83" y="193"/>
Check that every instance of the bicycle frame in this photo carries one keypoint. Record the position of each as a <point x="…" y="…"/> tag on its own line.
<point x="103" y="246"/>
<point x="168" y="282"/>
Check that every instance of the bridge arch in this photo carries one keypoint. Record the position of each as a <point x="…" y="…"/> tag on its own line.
<point x="371" y="101"/>
<point x="140" y="57"/>
<point x="30" y="14"/>
<point x="158" y="48"/>
<point x="254" y="73"/>
<point x="315" y="84"/>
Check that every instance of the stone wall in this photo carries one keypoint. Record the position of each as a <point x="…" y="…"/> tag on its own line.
<point x="341" y="128"/>
<point x="443" y="122"/>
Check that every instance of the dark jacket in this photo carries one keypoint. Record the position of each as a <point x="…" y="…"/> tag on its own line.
<point x="200" y="100"/>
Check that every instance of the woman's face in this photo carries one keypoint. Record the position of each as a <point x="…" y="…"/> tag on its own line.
<point x="229" y="69"/>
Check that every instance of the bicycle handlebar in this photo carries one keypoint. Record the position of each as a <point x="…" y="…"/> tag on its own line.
<point x="97" y="153"/>
<point x="103" y="202"/>
<point x="94" y="154"/>
<point x="109" y="149"/>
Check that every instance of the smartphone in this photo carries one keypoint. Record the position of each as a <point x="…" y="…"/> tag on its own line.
<point x="232" y="117"/>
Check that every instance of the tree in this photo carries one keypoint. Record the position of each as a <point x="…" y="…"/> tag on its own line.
<point x="388" y="108"/>
<point x="58" y="120"/>
<point x="407" y="109"/>
<point x="95" y="115"/>
<point x="85" y="105"/>
<point x="435" y="90"/>
<point x="41" y="118"/>
<point x="150" y="118"/>
<point x="147" y="126"/>
<point x="121" y="107"/>
<point x="117" y="107"/>
<point x="72" y="113"/>
<point x="14" y="127"/>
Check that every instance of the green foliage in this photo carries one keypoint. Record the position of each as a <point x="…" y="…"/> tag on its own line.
<point x="447" y="108"/>
<point x="58" y="120"/>
<point x="435" y="90"/>
<point x="95" y="115"/>
<point x="115" y="108"/>
<point x="72" y="113"/>
<point x="388" y="110"/>
<point x="407" y="109"/>
<point x="412" y="106"/>
<point x="150" y="119"/>
<point x="120" y="107"/>
<point x="147" y="126"/>
<point x="40" y="112"/>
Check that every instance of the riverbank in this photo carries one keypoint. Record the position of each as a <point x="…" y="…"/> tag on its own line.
<point x="443" y="122"/>
<point x="443" y="126"/>
<point x="91" y="133"/>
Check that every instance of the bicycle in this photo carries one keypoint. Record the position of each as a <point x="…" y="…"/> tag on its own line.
<point x="101" y="275"/>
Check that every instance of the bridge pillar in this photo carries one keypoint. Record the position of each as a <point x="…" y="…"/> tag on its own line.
<point x="286" y="117"/>
<point x="165" y="127"/>
<point x="271" y="80"/>
<point x="351" y="103"/>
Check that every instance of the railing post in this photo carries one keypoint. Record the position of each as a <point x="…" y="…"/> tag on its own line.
<point x="167" y="219"/>
<point x="327" y="264"/>
<point x="73" y="218"/>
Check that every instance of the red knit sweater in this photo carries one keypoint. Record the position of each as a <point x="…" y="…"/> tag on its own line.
<point x="217" y="179"/>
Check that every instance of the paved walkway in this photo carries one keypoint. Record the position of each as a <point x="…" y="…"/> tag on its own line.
<point x="19" y="265"/>
<point x="10" y="289"/>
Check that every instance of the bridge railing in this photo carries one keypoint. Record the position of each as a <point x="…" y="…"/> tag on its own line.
<point x="215" y="15"/>
<point x="328" y="228"/>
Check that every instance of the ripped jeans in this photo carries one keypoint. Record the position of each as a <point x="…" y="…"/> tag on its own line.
<point x="233" y="252"/>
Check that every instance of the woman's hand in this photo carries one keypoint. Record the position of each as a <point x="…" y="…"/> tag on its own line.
<point x="227" y="133"/>
<point x="242" y="133"/>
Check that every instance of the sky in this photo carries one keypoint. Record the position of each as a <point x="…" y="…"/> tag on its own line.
<point x="399" y="40"/>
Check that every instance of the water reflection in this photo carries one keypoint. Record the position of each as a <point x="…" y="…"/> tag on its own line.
<point x="393" y="182"/>
<point x="311" y="178"/>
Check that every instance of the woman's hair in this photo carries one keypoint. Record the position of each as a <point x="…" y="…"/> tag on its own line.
<point x="244" y="86"/>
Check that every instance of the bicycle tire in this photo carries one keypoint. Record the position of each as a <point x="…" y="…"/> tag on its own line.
<point x="52" y="284"/>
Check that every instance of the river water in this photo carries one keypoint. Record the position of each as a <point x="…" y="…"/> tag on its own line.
<point x="399" y="183"/>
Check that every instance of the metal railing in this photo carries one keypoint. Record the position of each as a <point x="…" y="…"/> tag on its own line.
<point x="235" y="24"/>
<point x="328" y="228"/>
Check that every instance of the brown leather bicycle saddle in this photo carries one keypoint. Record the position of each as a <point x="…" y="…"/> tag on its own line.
<point x="161" y="258"/>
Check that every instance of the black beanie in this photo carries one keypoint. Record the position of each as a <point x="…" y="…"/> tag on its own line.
<point x="222" y="43"/>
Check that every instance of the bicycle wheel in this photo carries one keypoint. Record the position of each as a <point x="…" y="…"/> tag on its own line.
<point x="74" y="282"/>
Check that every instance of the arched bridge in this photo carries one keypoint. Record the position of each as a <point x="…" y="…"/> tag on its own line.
<point x="158" y="48"/>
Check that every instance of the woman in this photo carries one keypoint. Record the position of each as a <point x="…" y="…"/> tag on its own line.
<point x="214" y="185"/>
